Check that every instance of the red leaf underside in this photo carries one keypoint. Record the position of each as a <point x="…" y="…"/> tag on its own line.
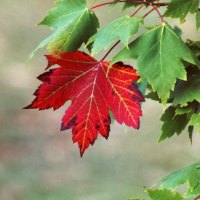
<point x="93" y="93"/>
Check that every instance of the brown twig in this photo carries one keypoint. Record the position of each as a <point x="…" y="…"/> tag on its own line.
<point x="157" y="4"/>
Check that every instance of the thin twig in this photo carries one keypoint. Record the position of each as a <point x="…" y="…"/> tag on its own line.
<point x="147" y="3"/>
<point x="156" y="9"/>
<point x="137" y="10"/>
<point x="157" y="4"/>
<point x="110" y="50"/>
<point x="102" y="4"/>
<point x="148" y="13"/>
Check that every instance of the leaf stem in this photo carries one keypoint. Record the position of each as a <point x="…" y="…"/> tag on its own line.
<point x="159" y="4"/>
<point x="144" y="2"/>
<point x="110" y="50"/>
<point x="102" y="4"/>
<point x="137" y="10"/>
<point x="156" y="9"/>
<point x="148" y="13"/>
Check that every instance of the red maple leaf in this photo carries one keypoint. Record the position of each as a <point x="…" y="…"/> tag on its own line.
<point x="93" y="93"/>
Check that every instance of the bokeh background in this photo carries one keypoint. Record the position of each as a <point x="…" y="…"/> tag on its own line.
<point x="37" y="162"/>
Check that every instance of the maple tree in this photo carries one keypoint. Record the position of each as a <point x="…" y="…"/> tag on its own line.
<point x="167" y="71"/>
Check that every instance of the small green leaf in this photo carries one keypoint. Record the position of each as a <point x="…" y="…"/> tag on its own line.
<point x="164" y="195"/>
<point x="189" y="175"/>
<point x="188" y="91"/>
<point x="195" y="121"/>
<point x="73" y="24"/>
<point x="122" y="28"/>
<point x="198" y="19"/>
<point x="180" y="8"/>
<point x="172" y="123"/>
<point x="160" y="54"/>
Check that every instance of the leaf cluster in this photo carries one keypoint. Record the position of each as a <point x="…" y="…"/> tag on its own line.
<point x="166" y="188"/>
<point x="168" y="71"/>
<point x="184" y="101"/>
<point x="168" y="66"/>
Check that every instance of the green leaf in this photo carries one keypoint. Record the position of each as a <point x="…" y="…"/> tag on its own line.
<point x="180" y="8"/>
<point x="73" y="24"/>
<point x="189" y="175"/>
<point x="195" y="121"/>
<point x="122" y="28"/>
<point x="160" y="54"/>
<point x="188" y="91"/>
<point x="172" y="123"/>
<point x="198" y="19"/>
<point x="164" y="195"/>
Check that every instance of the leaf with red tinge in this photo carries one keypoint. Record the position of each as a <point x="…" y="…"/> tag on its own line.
<point x="93" y="93"/>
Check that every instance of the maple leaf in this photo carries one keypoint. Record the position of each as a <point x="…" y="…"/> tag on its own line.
<point x="82" y="79"/>
<point x="122" y="28"/>
<point x="157" y="62"/>
<point x="73" y="24"/>
<point x="189" y="175"/>
<point x="180" y="8"/>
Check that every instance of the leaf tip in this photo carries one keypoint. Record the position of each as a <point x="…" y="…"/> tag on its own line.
<point x="81" y="153"/>
<point x="62" y="127"/>
<point x="27" y="107"/>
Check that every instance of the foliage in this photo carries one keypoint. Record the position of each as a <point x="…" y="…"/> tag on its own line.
<point x="157" y="62"/>
<point x="170" y="76"/>
<point x="68" y="19"/>
<point x="166" y="186"/>
<point x="180" y="8"/>
<point x="122" y="28"/>
<point x="168" y="70"/>
<point x="189" y="175"/>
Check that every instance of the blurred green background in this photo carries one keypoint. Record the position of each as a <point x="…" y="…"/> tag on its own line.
<point x="37" y="162"/>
